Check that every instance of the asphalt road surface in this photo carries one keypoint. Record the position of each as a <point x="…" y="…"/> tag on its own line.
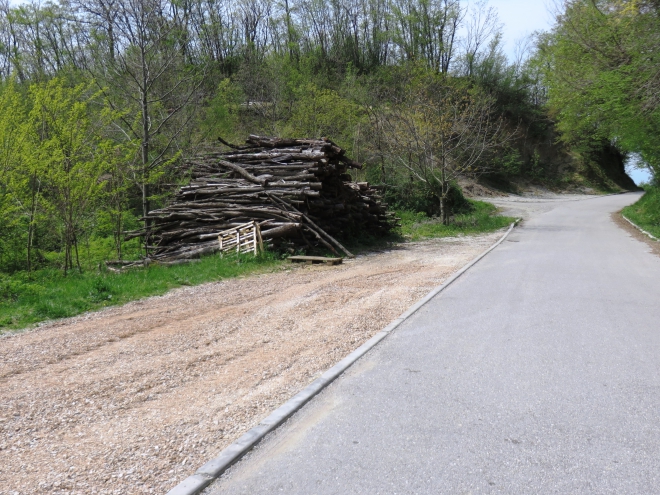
<point x="538" y="371"/>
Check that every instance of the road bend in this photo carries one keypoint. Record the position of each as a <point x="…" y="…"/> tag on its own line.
<point x="538" y="371"/>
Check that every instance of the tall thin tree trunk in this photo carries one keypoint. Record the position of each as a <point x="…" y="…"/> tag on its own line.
<point x="118" y="228"/>
<point x="444" y="189"/>
<point x="66" y="250"/>
<point x="444" y="208"/>
<point x="145" y="150"/>
<point x="33" y="212"/>
<point x="145" y="172"/>
<point x="75" y="246"/>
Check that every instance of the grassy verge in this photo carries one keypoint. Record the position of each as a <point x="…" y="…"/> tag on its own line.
<point x="49" y="295"/>
<point x="418" y="226"/>
<point x="646" y="212"/>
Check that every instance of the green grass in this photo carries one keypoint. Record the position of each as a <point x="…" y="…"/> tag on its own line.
<point x="48" y="294"/>
<point x="646" y="212"/>
<point x="483" y="218"/>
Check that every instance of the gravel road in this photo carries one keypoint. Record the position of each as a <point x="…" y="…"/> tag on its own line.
<point x="134" y="399"/>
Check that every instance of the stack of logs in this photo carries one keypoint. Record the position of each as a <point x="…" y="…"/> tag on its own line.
<point x="297" y="190"/>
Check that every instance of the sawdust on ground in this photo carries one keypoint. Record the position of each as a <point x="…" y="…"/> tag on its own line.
<point x="133" y="399"/>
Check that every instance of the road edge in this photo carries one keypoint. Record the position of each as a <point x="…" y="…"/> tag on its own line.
<point x="639" y="228"/>
<point x="212" y="470"/>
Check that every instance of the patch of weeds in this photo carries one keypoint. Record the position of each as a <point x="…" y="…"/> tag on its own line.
<point x="100" y="291"/>
<point x="181" y="281"/>
<point x="48" y="294"/>
<point x="482" y="218"/>
<point x="50" y="310"/>
<point x="13" y="288"/>
<point x="6" y="321"/>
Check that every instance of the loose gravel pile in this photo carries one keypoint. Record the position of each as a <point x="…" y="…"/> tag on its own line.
<point x="132" y="400"/>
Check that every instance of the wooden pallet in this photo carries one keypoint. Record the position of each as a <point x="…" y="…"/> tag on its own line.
<point x="245" y="238"/>
<point x="308" y="260"/>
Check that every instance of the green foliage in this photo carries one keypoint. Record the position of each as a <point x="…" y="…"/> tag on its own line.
<point x="48" y="294"/>
<point x="70" y="154"/>
<point x="510" y="162"/>
<point x="58" y="171"/>
<point x="12" y="221"/>
<point x="13" y="288"/>
<point x="222" y="112"/>
<point x="646" y="211"/>
<point x="436" y="130"/>
<point x="601" y="77"/>
<point x="325" y="113"/>
<point x="418" y="226"/>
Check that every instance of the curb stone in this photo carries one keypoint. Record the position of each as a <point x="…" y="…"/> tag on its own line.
<point x="205" y="475"/>
<point x="640" y="229"/>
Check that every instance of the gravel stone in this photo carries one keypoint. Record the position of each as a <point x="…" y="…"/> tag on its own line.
<point x="133" y="399"/>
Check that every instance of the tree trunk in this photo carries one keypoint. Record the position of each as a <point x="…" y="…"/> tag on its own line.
<point x="33" y="212"/>
<point x="67" y="247"/>
<point x="444" y="207"/>
<point x="444" y="190"/>
<point x="145" y="148"/>
<point x="118" y="230"/>
<point x="75" y="246"/>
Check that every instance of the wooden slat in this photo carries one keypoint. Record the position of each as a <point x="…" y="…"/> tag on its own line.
<point x="244" y="238"/>
<point x="315" y="259"/>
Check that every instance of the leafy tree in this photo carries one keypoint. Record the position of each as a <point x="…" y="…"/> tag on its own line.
<point x="324" y="113"/>
<point x="14" y="204"/>
<point x="438" y="130"/>
<point x="602" y="68"/>
<point x="73" y="155"/>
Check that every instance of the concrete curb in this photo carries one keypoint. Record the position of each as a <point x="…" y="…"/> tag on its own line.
<point x="203" y="477"/>
<point x="640" y="229"/>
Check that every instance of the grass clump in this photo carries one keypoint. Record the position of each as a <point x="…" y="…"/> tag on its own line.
<point x="47" y="294"/>
<point x="481" y="218"/>
<point x="646" y="212"/>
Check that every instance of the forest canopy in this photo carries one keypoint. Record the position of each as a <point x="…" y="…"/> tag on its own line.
<point x="101" y="100"/>
<point x="601" y="65"/>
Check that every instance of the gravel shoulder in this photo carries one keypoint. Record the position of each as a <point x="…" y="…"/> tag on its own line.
<point x="134" y="399"/>
<point x="528" y="205"/>
<point x="654" y="246"/>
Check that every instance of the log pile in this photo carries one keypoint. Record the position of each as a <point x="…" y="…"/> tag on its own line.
<point x="297" y="190"/>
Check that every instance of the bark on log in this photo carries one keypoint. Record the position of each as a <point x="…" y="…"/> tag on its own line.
<point x="288" y="186"/>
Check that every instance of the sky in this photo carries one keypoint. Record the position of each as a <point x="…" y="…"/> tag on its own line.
<point x="521" y="18"/>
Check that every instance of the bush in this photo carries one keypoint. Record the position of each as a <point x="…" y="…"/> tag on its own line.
<point x="482" y="218"/>
<point x="13" y="288"/>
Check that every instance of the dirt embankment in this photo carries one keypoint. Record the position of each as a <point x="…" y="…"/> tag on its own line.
<point x="134" y="399"/>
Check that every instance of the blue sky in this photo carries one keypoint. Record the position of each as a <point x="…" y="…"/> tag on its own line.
<point x="521" y="18"/>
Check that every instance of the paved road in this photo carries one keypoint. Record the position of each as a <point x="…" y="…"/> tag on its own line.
<point x="536" y="372"/>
